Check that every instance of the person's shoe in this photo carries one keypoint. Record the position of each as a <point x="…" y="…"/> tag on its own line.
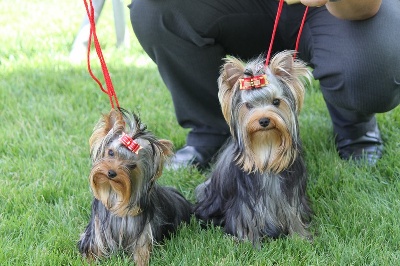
<point x="199" y="157"/>
<point x="365" y="149"/>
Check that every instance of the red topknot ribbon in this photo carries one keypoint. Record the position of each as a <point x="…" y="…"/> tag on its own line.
<point x="128" y="142"/>
<point x="253" y="82"/>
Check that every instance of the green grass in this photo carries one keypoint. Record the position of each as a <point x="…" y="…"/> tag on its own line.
<point x="48" y="108"/>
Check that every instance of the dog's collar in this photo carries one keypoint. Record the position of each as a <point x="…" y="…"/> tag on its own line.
<point x="129" y="143"/>
<point x="253" y="82"/>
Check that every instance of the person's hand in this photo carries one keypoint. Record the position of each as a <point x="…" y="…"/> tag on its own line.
<point x="348" y="9"/>
<point x="313" y="3"/>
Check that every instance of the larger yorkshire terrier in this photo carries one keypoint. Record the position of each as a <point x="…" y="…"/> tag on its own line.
<point x="257" y="188"/>
<point x="130" y="210"/>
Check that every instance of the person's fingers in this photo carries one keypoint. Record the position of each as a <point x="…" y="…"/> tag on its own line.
<point x="314" y="2"/>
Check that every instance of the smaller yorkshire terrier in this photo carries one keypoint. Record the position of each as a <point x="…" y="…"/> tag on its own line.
<point x="257" y="188"/>
<point x="130" y="210"/>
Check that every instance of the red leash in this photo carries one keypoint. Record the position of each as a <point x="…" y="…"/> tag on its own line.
<point x="110" y="88"/>
<point x="300" y="31"/>
<point x="278" y="15"/>
<point x="271" y="43"/>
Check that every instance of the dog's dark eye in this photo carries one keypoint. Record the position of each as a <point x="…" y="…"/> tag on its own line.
<point x="276" y="102"/>
<point x="249" y="106"/>
<point x="110" y="153"/>
<point x="131" y="166"/>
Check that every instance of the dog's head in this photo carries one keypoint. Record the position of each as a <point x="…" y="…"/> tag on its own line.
<point x="261" y="106"/>
<point x="126" y="161"/>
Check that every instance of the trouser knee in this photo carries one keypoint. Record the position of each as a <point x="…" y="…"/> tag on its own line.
<point x="365" y="90"/>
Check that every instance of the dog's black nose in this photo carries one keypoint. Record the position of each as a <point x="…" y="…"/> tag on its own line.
<point x="264" y="122"/>
<point x="111" y="174"/>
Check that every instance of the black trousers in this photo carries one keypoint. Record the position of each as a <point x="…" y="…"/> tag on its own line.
<point x="356" y="62"/>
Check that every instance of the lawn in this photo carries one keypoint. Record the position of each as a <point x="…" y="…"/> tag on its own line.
<point x="48" y="108"/>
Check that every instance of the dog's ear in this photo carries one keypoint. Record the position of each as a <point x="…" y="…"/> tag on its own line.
<point x="166" y="147"/>
<point x="291" y="72"/>
<point x="113" y="121"/>
<point x="282" y="64"/>
<point x="231" y="71"/>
